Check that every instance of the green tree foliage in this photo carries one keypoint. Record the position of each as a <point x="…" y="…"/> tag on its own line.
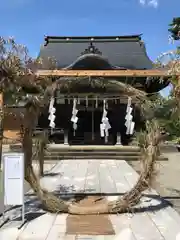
<point x="167" y="109"/>
<point x="167" y="115"/>
<point x="175" y="28"/>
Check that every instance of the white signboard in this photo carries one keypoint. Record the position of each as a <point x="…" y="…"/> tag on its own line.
<point x="13" y="178"/>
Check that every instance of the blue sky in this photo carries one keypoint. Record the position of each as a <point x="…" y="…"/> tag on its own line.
<point x="29" y="20"/>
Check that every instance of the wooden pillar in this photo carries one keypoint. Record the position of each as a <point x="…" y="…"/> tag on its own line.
<point x="118" y="142"/>
<point x="92" y="119"/>
<point x="1" y="125"/>
<point x="106" y="139"/>
<point x="66" y="142"/>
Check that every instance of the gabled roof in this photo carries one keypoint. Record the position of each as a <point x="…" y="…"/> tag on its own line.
<point x="126" y="52"/>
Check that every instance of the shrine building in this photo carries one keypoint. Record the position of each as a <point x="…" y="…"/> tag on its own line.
<point x="93" y="98"/>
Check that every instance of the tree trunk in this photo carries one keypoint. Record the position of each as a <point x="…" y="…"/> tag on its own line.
<point x="30" y="176"/>
<point x="49" y="201"/>
<point x="42" y="145"/>
<point x="41" y="162"/>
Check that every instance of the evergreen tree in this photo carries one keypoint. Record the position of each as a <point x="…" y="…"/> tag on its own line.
<point x="175" y="28"/>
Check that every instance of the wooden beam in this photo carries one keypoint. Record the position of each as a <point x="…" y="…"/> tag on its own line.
<point x="105" y="73"/>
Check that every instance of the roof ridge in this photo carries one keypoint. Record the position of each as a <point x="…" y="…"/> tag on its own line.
<point x="90" y="37"/>
<point x="124" y="38"/>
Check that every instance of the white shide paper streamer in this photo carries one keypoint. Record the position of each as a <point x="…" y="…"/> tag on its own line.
<point x="129" y="123"/>
<point x="105" y="125"/>
<point x="74" y="118"/>
<point x="52" y="111"/>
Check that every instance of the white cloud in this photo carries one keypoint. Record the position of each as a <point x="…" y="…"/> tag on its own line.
<point x="150" y="3"/>
<point x="143" y="2"/>
<point x="153" y="3"/>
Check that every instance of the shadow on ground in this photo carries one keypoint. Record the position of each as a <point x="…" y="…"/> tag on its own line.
<point x="34" y="209"/>
<point x="51" y="174"/>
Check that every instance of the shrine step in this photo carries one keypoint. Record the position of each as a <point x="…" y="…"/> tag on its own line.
<point x="119" y="152"/>
<point x="92" y="152"/>
<point x="97" y="156"/>
<point x="57" y="152"/>
<point x="91" y="148"/>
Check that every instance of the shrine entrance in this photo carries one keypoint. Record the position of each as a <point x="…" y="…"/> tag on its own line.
<point x="89" y="118"/>
<point x="88" y="129"/>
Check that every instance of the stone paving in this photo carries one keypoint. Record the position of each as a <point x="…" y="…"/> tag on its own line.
<point x="153" y="220"/>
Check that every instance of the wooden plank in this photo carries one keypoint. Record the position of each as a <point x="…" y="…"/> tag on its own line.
<point x="166" y="224"/>
<point x="165" y="220"/>
<point x="121" y="225"/>
<point x="40" y="229"/>
<point x="49" y="167"/>
<point x="51" y="179"/>
<point x="107" y="183"/>
<point x="67" y="171"/>
<point x="118" y="174"/>
<point x="147" y="200"/>
<point x="132" y="178"/>
<point x="149" y="232"/>
<point x="57" y="165"/>
<point x="58" y="233"/>
<point x="104" y="73"/>
<point x="58" y="229"/>
<point x="129" y="173"/>
<point x="92" y="184"/>
<point x="61" y="179"/>
<point x="80" y="176"/>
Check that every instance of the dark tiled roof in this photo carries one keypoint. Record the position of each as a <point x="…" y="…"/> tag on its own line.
<point x="126" y="52"/>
